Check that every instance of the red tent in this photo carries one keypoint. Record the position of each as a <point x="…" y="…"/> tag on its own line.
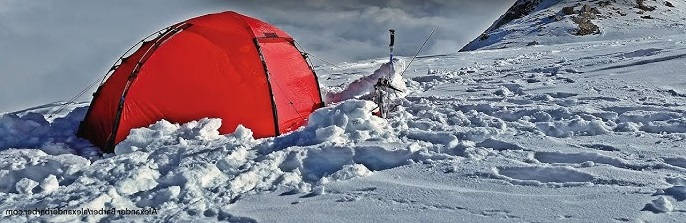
<point x="223" y="65"/>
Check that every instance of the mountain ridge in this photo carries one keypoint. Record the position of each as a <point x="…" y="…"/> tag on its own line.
<point x="534" y="22"/>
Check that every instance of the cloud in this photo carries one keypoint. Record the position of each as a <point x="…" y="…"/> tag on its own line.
<point x="326" y="27"/>
<point x="51" y="49"/>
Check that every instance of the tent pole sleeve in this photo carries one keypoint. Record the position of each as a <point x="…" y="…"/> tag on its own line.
<point x="119" y="60"/>
<point x="111" y="141"/>
<point x="269" y="86"/>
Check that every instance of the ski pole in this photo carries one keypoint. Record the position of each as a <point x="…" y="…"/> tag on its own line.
<point x="390" y="46"/>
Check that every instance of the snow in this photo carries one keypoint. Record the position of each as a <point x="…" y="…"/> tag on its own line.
<point x="661" y="204"/>
<point x="546" y="24"/>
<point x="25" y="186"/>
<point x="191" y="167"/>
<point x="364" y="86"/>
<point x="587" y="130"/>
<point x="49" y="184"/>
<point x="54" y="134"/>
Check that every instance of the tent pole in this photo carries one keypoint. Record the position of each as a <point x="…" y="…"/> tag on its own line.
<point x="173" y="30"/>
<point x="269" y="85"/>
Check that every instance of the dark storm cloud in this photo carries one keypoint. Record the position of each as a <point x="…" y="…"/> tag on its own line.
<point x="51" y="49"/>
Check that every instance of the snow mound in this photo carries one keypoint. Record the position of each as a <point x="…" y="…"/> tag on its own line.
<point x="660" y="205"/>
<point x="364" y="86"/>
<point x="192" y="168"/>
<point x="26" y="171"/>
<point x="32" y="129"/>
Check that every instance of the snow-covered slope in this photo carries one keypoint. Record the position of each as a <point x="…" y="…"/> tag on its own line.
<point x="534" y="22"/>
<point x="576" y="131"/>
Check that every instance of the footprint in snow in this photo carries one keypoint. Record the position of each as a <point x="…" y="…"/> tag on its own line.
<point x="675" y="161"/>
<point x="601" y="147"/>
<point x="538" y="175"/>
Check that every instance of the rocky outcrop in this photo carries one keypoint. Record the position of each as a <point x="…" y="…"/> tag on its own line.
<point x="518" y="10"/>
<point x="584" y="21"/>
<point x="640" y="4"/>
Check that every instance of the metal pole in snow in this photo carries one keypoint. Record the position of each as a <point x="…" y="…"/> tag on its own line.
<point x="390" y="46"/>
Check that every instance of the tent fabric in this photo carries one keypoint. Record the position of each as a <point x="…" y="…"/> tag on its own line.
<point x="295" y="93"/>
<point x="223" y="65"/>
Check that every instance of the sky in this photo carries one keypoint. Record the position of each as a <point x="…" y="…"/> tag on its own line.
<point x="51" y="49"/>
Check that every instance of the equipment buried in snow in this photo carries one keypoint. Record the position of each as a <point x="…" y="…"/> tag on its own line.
<point x="382" y="91"/>
<point x="223" y="65"/>
<point x="383" y="87"/>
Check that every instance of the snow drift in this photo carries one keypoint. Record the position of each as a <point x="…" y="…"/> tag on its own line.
<point x="364" y="86"/>
<point x="191" y="167"/>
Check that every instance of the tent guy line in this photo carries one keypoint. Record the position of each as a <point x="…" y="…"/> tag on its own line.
<point x="419" y="50"/>
<point x="104" y="76"/>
